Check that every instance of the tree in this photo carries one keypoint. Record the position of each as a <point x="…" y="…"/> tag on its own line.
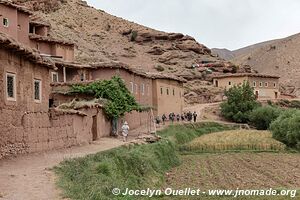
<point x="262" y="117"/>
<point x="286" y="128"/>
<point x="240" y="102"/>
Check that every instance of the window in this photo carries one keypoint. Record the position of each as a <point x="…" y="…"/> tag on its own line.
<point x="229" y="83"/>
<point x="260" y="84"/>
<point x="136" y="89"/>
<point x="37" y="90"/>
<point x="54" y="77"/>
<point x="167" y="91"/>
<point x="266" y="84"/>
<point x="82" y="77"/>
<point x="274" y="84"/>
<point x="11" y="86"/>
<point x="131" y="87"/>
<point x="173" y="92"/>
<point x="148" y="90"/>
<point x="5" y="22"/>
<point x="161" y="91"/>
<point x="254" y="83"/>
<point x="143" y="89"/>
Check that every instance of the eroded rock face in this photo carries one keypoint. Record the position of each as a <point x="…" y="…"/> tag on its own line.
<point x="41" y="5"/>
<point x="191" y="45"/>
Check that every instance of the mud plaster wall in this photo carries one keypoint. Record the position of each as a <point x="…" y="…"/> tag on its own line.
<point x="28" y="126"/>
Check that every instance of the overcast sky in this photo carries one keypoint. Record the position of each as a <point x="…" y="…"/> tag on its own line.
<point x="228" y="24"/>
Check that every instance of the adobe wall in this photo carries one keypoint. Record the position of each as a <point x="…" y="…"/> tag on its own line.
<point x="42" y="131"/>
<point x="25" y="73"/>
<point x="23" y="29"/>
<point x="224" y="82"/>
<point x="66" y="51"/>
<point x="265" y="91"/>
<point x="28" y="126"/>
<point x="11" y="15"/>
<point x="166" y="103"/>
<point x="137" y="81"/>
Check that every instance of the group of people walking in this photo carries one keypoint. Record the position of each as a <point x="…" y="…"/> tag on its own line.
<point x="172" y="117"/>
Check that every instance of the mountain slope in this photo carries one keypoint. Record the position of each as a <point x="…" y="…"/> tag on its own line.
<point x="278" y="57"/>
<point x="102" y="37"/>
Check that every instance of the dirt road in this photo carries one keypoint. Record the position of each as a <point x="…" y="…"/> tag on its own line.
<point x="29" y="178"/>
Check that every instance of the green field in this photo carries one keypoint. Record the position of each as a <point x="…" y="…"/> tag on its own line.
<point x="164" y="164"/>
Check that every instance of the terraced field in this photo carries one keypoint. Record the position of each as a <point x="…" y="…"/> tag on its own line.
<point x="237" y="170"/>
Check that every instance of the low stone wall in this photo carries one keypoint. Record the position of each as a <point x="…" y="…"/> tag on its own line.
<point x="40" y="131"/>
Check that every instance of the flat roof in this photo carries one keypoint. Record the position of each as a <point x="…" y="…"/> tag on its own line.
<point x="17" y="7"/>
<point x="6" y="42"/>
<point x="245" y="75"/>
<point x="117" y="65"/>
<point x="49" y="39"/>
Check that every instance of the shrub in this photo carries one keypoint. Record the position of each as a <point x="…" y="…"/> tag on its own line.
<point x="159" y="68"/>
<point x="241" y="101"/>
<point x="262" y="117"/>
<point x="134" y="35"/>
<point x="286" y="128"/>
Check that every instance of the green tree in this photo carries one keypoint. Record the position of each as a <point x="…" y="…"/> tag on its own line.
<point x="286" y="128"/>
<point x="262" y="117"/>
<point x="120" y="100"/>
<point x="240" y="102"/>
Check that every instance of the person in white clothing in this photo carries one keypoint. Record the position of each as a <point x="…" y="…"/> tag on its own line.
<point x="125" y="131"/>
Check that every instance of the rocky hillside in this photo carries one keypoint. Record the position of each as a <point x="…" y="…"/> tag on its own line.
<point x="100" y="36"/>
<point x="278" y="57"/>
<point x="225" y="54"/>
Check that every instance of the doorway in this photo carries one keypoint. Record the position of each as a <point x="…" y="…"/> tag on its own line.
<point x="94" y="128"/>
<point x="256" y="94"/>
<point x="276" y="95"/>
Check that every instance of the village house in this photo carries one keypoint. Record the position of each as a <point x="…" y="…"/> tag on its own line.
<point x="161" y="92"/>
<point x="35" y="67"/>
<point x="265" y="86"/>
<point x="15" y="21"/>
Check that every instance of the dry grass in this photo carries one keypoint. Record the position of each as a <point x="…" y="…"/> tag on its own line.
<point x="236" y="140"/>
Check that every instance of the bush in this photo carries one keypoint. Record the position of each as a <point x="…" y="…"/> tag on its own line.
<point x="134" y="35"/>
<point x="160" y="68"/>
<point x="286" y="128"/>
<point x="262" y="117"/>
<point x="240" y="103"/>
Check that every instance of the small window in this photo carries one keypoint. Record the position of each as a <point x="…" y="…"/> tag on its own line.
<point x="37" y="90"/>
<point x="229" y="83"/>
<point x="131" y="87"/>
<point x="82" y="77"/>
<point x="136" y="89"/>
<point x="161" y="91"/>
<point x="254" y="83"/>
<point x="148" y="90"/>
<point x="260" y="84"/>
<point x="275" y="85"/>
<point x="167" y="91"/>
<point x="173" y="92"/>
<point x="11" y="86"/>
<point x="54" y="77"/>
<point x="5" y="22"/>
<point x="266" y="84"/>
<point x="143" y="89"/>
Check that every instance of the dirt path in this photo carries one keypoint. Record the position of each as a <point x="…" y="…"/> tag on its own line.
<point x="29" y="178"/>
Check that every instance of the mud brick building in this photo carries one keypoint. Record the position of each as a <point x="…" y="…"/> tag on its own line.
<point x="35" y="68"/>
<point x="265" y="86"/>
